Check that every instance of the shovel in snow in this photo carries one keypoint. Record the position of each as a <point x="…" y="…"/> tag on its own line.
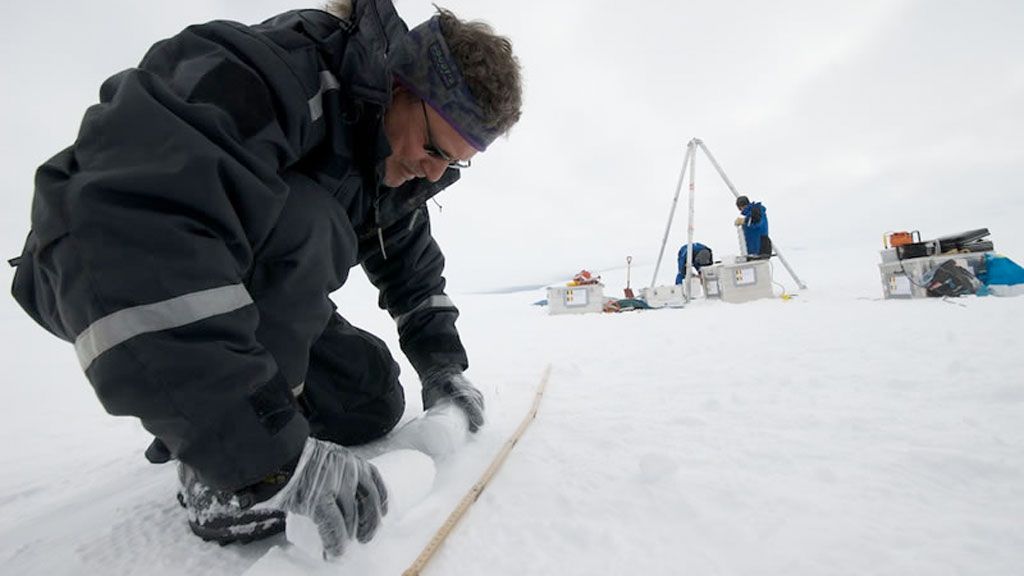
<point x="628" y="291"/>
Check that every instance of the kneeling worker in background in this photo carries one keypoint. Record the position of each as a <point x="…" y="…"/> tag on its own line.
<point x="701" y="257"/>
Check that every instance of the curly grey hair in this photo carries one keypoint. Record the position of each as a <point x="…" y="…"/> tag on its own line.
<point x="491" y="70"/>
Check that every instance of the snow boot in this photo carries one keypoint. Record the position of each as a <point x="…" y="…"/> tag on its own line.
<point x="226" y="517"/>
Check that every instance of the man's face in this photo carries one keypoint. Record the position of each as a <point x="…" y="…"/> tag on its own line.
<point x="422" y="143"/>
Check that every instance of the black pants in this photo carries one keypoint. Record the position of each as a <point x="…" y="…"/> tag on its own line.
<point x="351" y="394"/>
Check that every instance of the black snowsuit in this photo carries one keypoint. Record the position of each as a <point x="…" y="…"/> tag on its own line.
<point x="189" y="239"/>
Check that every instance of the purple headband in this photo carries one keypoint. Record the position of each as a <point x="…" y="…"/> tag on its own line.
<point x="423" y="64"/>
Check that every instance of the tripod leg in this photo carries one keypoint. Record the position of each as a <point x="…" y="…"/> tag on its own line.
<point x="672" y="212"/>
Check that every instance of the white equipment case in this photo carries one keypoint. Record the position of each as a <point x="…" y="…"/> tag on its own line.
<point x="576" y="299"/>
<point x="906" y="278"/>
<point x="744" y="281"/>
<point x="669" y="296"/>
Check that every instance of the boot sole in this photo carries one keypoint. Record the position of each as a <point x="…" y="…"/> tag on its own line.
<point x="240" y="530"/>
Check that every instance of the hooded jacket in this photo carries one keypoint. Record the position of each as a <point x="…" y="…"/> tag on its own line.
<point x="702" y="256"/>
<point x="755" y="228"/>
<point x="188" y="240"/>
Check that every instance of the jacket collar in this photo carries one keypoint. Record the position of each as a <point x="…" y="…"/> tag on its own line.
<point x="375" y="29"/>
<point x="398" y="202"/>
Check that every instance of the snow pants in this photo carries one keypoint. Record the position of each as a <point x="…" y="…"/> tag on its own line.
<point x="351" y="394"/>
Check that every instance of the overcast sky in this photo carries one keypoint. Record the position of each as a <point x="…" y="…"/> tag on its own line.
<point x="845" y="119"/>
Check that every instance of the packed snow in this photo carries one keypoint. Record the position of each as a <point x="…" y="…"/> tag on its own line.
<point x="830" y="433"/>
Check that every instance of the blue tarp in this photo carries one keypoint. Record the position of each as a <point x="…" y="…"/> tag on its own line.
<point x="1000" y="271"/>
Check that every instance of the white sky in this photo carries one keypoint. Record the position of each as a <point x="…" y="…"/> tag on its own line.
<point x="846" y="119"/>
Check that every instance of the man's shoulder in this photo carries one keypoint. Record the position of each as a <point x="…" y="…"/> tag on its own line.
<point x="312" y="22"/>
<point x="298" y="25"/>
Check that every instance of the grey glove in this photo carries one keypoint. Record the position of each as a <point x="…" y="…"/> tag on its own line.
<point x="342" y="493"/>
<point x="450" y="384"/>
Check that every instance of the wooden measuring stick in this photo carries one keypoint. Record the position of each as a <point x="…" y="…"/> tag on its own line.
<point x="428" y="552"/>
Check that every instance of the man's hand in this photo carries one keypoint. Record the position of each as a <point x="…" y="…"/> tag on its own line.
<point x="739" y="221"/>
<point x="450" y="384"/>
<point x="342" y="493"/>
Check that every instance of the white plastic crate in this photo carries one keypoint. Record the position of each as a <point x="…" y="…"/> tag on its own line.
<point x="745" y="281"/>
<point x="906" y="278"/>
<point x="670" y="296"/>
<point x="575" y="299"/>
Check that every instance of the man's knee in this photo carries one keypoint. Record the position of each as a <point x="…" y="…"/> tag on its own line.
<point x="352" y="393"/>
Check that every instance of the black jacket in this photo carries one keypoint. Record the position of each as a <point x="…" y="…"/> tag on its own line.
<point x="188" y="240"/>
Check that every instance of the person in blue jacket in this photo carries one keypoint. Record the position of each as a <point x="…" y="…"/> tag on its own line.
<point x="754" y="221"/>
<point x="701" y="257"/>
<point x="188" y="241"/>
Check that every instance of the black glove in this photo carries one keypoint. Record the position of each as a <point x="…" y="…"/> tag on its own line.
<point x="450" y="384"/>
<point x="342" y="493"/>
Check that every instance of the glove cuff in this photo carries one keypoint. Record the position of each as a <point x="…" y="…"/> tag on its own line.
<point x="268" y="486"/>
<point x="437" y="373"/>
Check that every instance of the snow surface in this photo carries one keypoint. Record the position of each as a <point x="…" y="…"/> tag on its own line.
<point x="833" y="433"/>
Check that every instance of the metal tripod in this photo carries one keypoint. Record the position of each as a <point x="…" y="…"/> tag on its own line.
<point x="691" y="161"/>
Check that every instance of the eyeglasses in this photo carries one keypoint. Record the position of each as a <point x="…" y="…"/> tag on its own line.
<point x="436" y="152"/>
